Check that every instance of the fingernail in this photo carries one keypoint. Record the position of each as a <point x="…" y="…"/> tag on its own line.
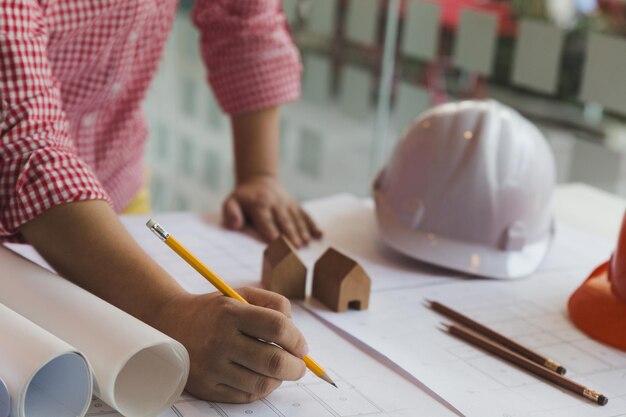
<point x="305" y="350"/>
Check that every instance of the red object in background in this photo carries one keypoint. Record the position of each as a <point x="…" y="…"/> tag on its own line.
<point x="598" y="307"/>
<point x="615" y="10"/>
<point x="617" y="266"/>
<point x="451" y="14"/>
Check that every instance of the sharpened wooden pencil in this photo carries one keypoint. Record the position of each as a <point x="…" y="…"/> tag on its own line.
<point x="222" y="286"/>
<point x="497" y="337"/>
<point x="508" y="355"/>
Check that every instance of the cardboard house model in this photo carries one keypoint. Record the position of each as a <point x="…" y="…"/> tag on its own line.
<point x="340" y="282"/>
<point x="283" y="271"/>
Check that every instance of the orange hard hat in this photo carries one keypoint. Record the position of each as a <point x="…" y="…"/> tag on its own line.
<point x="598" y="307"/>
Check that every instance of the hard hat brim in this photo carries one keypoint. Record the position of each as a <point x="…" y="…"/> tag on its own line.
<point x="596" y="310"/>
<point x="464" y="257"/>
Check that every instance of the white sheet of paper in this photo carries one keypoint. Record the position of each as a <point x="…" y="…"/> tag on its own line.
<point x="349" y="225"/>
<point x="46" y="376"/>
<point x="604" y="73"/>
<point x="137" y="369"/>
<point x="538" y="55"/>
<point x="475" y="41"/>
<point x="421" y="30"/>
<point x="532" y="311"/>
<point x="399" y="284"/>
<point x="362" y="21"/>
<point x="366" y="387"/>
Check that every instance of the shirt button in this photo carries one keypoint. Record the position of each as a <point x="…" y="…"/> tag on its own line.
<point x="117" y="87"/>
<point x="88" y="120"/>
<point x="133" y="36"/>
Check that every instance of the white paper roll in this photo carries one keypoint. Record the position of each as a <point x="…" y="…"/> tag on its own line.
<point x="139" y="371"/>
<point x="5" y="403"/>
<point x="46" y="376"/>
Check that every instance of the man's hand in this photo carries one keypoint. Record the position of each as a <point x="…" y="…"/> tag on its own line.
<point x="228" y="361"/>
<point x="264" y="203"/>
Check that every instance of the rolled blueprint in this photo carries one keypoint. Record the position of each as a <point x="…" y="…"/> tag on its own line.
<point x="46" y="376"/>
<point x="138" y="370"/>
<point x="5" y="404"/>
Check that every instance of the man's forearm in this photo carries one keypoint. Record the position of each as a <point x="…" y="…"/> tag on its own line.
<point x="87" y="244"/>
<point x="256" y="143"/>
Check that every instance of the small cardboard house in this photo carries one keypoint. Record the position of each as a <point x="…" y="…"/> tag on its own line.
<point x="283" y="271"/>
<point x="340" y="282"/>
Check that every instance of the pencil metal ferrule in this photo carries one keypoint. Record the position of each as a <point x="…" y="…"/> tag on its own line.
<point x="591" y="394"/>
<point x="157" y="230"/>
<point x="552" y="365"/>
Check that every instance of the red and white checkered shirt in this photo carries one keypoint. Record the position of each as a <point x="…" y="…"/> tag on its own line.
<point x="73" y="74"/>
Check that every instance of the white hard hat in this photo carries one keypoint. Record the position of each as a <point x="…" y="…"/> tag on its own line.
<point x="469" y="187"/>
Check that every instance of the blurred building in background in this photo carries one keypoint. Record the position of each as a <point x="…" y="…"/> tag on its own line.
<point x="370" y="66"/>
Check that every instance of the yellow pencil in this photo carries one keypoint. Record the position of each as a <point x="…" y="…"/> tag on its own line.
<point x="220" y="285"/>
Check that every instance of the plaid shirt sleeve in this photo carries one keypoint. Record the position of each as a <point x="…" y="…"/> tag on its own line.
<point x="38" y="163"/>
<point x="247" y="48"/>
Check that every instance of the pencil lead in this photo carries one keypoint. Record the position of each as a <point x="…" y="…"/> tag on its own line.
<point x="326" y="378"/>
<point x="444" y="327"/>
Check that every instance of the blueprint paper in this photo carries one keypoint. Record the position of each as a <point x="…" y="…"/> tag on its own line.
<point x="137" y="369"/>
<point x="366" y="387"/>
<point x="398" y="285"/>
<point x="46" y="376"/>
<point x="348" y="224"/>
<point x="531" y="311"/>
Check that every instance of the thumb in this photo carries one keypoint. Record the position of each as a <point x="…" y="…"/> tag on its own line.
<point x="232" y="214"/>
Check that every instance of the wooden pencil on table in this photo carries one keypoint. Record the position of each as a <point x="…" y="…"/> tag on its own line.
<point x="508" y="355"/>
<point x="497" y="337"/>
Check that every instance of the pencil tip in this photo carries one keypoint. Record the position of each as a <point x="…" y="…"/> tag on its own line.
<point x="444" y="327"/>
<point x="561" y="371"/>
<point x="602" y="400"/>
<point x="326" y="378"/>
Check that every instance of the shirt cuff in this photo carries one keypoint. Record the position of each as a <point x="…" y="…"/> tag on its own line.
<point x="41" y="180"/>
<point x="258" y="85"/>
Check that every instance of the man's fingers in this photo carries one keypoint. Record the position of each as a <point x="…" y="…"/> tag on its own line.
<point x="287" y="226"/>
<point x="315" y="231"/>
<point x="268" y="360"/>
<point x="227" y="394"/>
<point x="263" y="222"/>
<point x="244" y="379"/>
<point x="272" y="326"/>
<point x="267" y="299"/>
<point x="233" y="217"/>
<point x="301" y="226"/>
